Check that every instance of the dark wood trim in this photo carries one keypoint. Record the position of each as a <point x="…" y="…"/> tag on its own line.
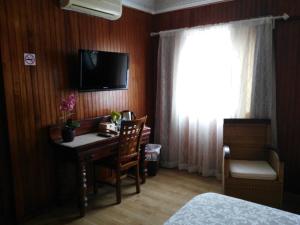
<point x="247" y="121"/>
<point x="291" y="202"/>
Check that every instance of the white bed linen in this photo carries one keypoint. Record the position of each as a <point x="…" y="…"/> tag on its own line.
<point x="211" y="208"/>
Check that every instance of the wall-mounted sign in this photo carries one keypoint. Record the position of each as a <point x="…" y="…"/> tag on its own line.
<point x="29" y="59"/>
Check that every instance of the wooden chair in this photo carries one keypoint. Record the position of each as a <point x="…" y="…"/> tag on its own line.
<point x="251" y="169"/>
<point x="128" y="155"/>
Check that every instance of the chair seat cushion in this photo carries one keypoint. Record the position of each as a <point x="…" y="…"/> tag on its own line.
<point x="258" y="170"/>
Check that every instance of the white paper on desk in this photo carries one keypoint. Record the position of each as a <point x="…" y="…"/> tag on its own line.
<point x="83" y="140"/>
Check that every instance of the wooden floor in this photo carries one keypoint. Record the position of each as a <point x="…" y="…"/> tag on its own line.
<point x="160" y="197"/>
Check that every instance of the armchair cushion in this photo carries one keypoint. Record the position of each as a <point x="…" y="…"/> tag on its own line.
<point x="258" y="170"/>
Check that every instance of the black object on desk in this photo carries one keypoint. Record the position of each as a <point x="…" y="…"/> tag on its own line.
<point x="103" y="134"/>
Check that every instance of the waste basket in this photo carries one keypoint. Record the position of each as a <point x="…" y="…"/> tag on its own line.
<point x="152" y="153"/>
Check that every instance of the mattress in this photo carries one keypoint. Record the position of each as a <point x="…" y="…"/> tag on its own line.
<point x="211" y="208"/>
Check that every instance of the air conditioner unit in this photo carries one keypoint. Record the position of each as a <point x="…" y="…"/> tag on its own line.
<point x="109" y="9"/>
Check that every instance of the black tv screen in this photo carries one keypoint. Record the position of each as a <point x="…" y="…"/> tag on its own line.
<point x="101" y="70"/>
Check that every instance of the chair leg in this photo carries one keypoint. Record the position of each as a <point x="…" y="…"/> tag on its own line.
<point x="137" y="179"/>
<point x="118" y="186"/>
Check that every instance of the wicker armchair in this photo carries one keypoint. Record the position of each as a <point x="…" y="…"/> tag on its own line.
<point x="251" y="170"/>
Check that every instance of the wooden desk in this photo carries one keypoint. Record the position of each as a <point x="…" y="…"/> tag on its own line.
<point x="88" y="147"/>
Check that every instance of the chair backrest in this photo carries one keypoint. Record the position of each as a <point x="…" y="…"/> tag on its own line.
<point x="247" y="138"/>
<point x="129" y="139"/>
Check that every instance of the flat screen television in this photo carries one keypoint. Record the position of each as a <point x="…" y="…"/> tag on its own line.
<point x="101" y="70"/>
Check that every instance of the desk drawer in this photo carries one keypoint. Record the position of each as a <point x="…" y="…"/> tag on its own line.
<point x="97" y="153"/>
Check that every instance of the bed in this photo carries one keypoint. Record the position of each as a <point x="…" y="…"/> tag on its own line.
<point x="212" y="208"/>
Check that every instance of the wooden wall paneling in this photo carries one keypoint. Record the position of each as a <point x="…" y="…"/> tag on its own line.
<point x="6" y="187"/>
<point x="214" y="13"/>
<point x="290" y="6"/>
<point x="52" y="64"/>
<point x="57" y="78"/>
<point x="12" y="86"/>
<point x="288" y="69"/>
<point x="35" y="116"/>
<point x="33" y="93"/>
<point x="287" y="50"/>
<point x="26" y="110"/>
<point x="9" y="80"/>
<point x="152" y="80"/>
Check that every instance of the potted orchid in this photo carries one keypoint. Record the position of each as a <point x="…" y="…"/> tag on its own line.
<point x="116" y="119"/>
<point x="66" y="107"/>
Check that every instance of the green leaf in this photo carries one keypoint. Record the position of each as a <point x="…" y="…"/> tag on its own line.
<point x="73" y="124"/>
<point x="115" y="116"/>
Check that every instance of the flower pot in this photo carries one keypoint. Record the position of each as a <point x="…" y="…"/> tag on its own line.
<point x="67" y="134"/>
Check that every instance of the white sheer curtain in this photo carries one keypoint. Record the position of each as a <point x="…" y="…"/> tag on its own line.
<point x="205" y="75"/>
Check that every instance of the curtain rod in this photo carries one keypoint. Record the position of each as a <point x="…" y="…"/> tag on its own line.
<point x="285" y="16"/>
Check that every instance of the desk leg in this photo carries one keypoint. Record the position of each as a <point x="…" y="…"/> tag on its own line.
<point x="82" y="181"/>
<point x="142" y="164"/>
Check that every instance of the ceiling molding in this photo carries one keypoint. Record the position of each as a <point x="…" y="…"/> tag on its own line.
<point x="167" y="6"/>
<point x="162" y="6"/>
<point x="145" y="6"/>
